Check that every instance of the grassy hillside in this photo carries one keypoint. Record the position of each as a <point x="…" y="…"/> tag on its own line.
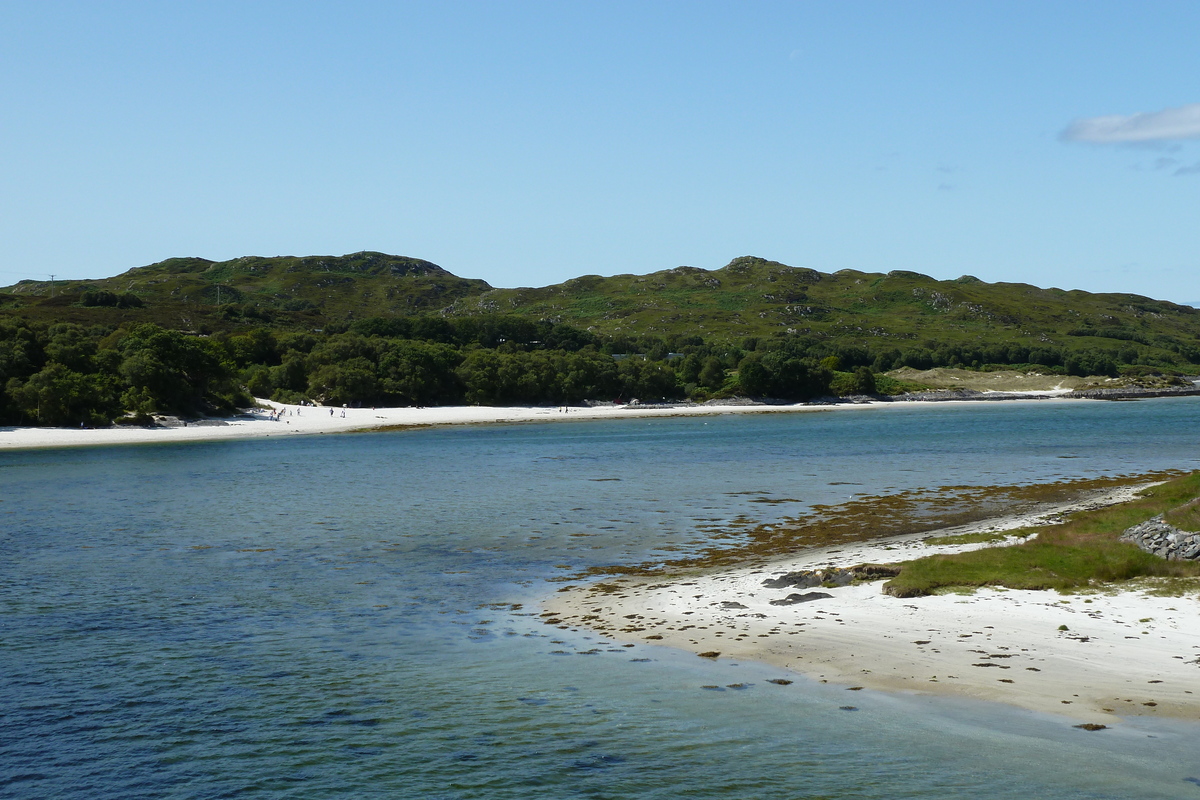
<point x="755" y="297"/>
<point x="189" y="293"/>
<point x="188" y="335"/>
<point x="750" y="298"/>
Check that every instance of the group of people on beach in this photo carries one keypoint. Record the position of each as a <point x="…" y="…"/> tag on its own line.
<point x="277" y="414"/>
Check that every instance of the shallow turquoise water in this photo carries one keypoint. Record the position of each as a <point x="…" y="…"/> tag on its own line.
<point x="329" y="616"/>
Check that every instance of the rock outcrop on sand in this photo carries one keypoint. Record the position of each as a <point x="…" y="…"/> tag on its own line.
<point x="831" y="576"/>
<point x="1163" y="540"/>
<point x="1134" y="393"/>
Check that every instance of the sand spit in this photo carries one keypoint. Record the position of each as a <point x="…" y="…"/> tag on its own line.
<point x="1093" y="657"/>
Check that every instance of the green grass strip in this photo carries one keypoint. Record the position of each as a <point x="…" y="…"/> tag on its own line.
<point x="1080" y="553"/>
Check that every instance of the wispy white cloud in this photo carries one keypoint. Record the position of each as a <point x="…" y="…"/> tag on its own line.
<point x="1170" y="124"/>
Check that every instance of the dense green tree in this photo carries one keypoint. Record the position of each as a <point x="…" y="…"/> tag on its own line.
<point x="420" y="373"/>
<point x="712" y="376"/>
<point x="648" y="380"/>
<point x="433" y="329"/>
<point x="753" y="376"/>
<point x="340" y="348"/>
<point x="257" y="346"/>
<point x="21" y="354"/>
<point x="918" y="358"/>
<point x="71" y="346"/>
<point x="866" y="380"/>
<point x="57" y="395"/>
<point x="565" y="337"/>
<point x="389" y="327"/>
<point x="590" y="376"/>
<point x="483" y="377"/>
<point x="779" y="374"/>
<point x="292" y="374"/>
<point x="182" y="374"/>
<point x="258" y="381"/>
<point x="689" y="368"/>
<point x="657" y="351"/>
<point x="344" y="383"/>
<point x="103" y="297"/>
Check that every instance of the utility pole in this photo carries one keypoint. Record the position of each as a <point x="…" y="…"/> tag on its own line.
<point x="52" y="284"/>
<point x="218" y="294"/>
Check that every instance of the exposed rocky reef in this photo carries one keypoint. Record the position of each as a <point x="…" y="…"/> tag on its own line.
<point x="796" y="597"/>
<point x="1136" y="393"/>
<point x="832" y="576"/>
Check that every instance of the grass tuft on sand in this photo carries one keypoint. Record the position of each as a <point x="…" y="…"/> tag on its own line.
<point x="985" y="537"/>
<point x="1079" y="553"/>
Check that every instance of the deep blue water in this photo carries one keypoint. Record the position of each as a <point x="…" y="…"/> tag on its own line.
<point x="333" y="616"/>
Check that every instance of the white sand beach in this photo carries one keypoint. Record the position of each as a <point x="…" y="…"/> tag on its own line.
<point x="1094" y="657"/>
<point x="300" y="420"/>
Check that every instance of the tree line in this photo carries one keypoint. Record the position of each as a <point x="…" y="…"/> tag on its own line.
<point x="69" y="374"/>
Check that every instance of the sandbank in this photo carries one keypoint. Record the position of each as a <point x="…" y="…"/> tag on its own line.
<point x="1120" y="654"/>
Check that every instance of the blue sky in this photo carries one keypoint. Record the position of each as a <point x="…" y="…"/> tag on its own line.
<point x="526" y="143"/>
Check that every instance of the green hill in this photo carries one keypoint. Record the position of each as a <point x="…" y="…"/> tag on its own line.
<point x="752" y="297"/>
<point x="292" y="291"/>
<point x="748" y="298"/>
<point x="188" y="335"/>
